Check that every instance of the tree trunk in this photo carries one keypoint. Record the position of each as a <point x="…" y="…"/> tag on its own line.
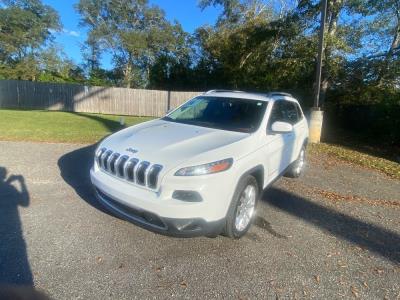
<point x="127" y="75"/>
<point x="333" y="10"/>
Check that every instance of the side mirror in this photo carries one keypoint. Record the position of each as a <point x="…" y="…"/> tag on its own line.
<point x="281" y="127"/>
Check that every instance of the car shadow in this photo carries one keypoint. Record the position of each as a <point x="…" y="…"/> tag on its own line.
<point x="75" y="170"/>
<point x="75" y="166"/>
<point x="374" y="238"/>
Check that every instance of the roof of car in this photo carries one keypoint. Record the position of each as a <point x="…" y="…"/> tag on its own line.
<point x="271" y="96"/>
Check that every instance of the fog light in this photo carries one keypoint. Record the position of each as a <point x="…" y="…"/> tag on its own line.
<point x="188" y="196"/>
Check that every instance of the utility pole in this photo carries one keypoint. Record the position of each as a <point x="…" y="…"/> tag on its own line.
<point x="316" y="117"/>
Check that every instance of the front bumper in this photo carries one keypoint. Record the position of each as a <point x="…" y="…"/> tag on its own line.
<point x="189" y="227"/>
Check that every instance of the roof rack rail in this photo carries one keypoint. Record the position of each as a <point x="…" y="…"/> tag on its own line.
<point x="279" y="94"/>
<point x="222" y="91"/>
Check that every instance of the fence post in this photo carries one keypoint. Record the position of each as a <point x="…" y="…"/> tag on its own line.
<point x="169" y="100"/>
<point x="18" y="101"/>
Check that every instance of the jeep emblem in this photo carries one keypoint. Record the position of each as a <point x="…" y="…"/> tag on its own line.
<point x="131" y="150"/>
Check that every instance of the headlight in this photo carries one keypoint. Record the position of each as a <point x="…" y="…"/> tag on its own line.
<point x="214" y="167"/>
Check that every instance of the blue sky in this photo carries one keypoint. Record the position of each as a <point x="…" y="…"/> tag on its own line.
<point x="73" y="36"/>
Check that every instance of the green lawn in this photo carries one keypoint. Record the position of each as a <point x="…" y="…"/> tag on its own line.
<point x="51" y="126"/>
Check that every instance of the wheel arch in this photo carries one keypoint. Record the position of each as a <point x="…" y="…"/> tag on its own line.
<point x="258" y="173"/>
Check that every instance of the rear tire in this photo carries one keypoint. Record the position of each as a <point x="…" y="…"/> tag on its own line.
<point x="297" y="167"/>
<point x="241" y="211"/>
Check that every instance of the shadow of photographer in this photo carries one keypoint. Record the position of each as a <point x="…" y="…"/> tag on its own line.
<point x="14" y="264"/>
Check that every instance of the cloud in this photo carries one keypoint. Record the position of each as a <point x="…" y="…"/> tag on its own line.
<point x="71" y="32"/>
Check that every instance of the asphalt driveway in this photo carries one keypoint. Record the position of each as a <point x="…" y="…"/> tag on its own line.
<point x="334" y="233"/>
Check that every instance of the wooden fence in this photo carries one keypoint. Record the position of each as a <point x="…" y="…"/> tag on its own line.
<point x="90" y="99"/>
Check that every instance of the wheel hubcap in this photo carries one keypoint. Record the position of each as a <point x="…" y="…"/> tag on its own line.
<point x="245" y="210"/>
<point x="300" y="163"/>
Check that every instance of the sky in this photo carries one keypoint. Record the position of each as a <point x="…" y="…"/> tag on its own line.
<point x="73" y="36"/>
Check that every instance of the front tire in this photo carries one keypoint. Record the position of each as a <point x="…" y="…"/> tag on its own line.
<point x="297" y="167"/>
<point x="242" y="208"/>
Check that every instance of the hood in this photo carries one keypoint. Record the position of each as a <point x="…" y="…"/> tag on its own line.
<point x="170" y="143"/>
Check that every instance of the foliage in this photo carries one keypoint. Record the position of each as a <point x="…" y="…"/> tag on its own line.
<point x="25" y="25"/>
<point x="26" y="50"/>
<point x="136" y="34"/>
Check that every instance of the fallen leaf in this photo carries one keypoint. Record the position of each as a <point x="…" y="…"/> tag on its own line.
<point x="354" y="291"/>
<point x="317" y="279"/>
<point x="365" y="284"/>
<point x="183" y="284"/>
<point x="99" y="259"/>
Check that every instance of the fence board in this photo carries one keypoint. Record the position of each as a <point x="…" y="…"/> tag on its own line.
<point x="89" y="99"/>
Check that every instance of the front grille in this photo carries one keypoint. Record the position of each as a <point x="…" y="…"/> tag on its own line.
<point x="129" y="168"/>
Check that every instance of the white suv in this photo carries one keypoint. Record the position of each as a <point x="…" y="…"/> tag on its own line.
<point x="201" y="169"/>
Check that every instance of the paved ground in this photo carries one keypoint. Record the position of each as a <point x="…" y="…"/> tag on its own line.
<point x="335" y="233"/>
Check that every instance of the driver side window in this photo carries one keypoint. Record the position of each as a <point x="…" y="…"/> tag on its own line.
<point x="276" y="114"/>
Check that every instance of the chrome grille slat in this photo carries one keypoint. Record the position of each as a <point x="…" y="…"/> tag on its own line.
<point x="142" y="173"/>
<point x="98" y="154"/>
<point x="129" y="169"/>
<point x="104" y="159"/>
<point x="112" y="160"/>
<point x="152" y="175"/>
<point x="120" y="165"/>
<point x="108" y="161"/>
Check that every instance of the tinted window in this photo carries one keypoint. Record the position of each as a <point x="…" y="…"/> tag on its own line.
<point x="276" y="114"/>
<point x="284" y="111"/>
<point x="234" y="114"/>
<point x="299" y="113"/>
<point x="290" y="112"/>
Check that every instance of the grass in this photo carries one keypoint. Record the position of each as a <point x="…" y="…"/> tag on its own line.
<point x="51" y="126"/>
<point x="383" y="165"/>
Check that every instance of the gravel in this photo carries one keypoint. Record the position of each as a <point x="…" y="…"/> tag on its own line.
<point x="333" y="233"/>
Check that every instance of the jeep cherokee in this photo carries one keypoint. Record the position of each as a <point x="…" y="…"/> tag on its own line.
<point x="201" y="169"/>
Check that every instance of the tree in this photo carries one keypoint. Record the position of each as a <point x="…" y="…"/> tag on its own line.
<point x="134" y="32"/>
<point x="25" y="28"/>
<point x="258" y="46"/>
<point x="55" y="66"/>
<point x="384" y="31"/>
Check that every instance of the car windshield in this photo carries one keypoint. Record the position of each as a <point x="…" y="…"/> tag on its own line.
<point x="225" y="113"/>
